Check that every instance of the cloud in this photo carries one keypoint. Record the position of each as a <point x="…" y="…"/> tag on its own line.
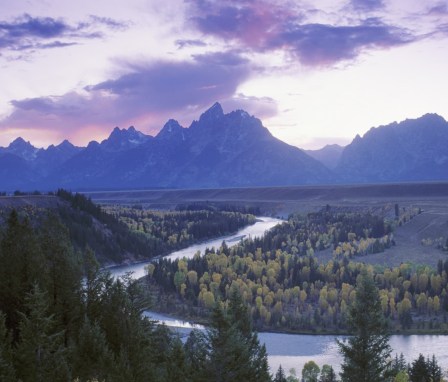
<point x="323" y="45"/>
<point x="25" y="26"/>
<point x="146" y="96"/>
<point x="270" y="26"/>
<point x="27" y="32"/>
<point x="186" y="43"/>
<point x="367" y="5"/>
<point x="172" y="85"/>
<point x="440" y="9"/>
<point x="247" y="21"/>
<point x="261" y="107"/>
<point x="109" y="22"/>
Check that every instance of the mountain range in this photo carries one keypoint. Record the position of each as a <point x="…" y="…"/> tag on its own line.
<point x="228" y="150"/>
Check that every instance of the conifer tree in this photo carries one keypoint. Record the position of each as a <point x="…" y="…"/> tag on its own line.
<point x="366" y="353"/>
<point x="419" y="371"/>
<point x="398" y="364"/>
<point x="92" y="357"/>
<point x="40" y="354"/>
<point x="235" y="352"/>
<point x="239" y="316"/>
<point x="280" y="375"/>
<point x="177" y="371"/>
<point x="22" y="265"/>
<point x="64" y="275"/>
<point x="229" y="354"/>
<point x="7" y="372"/>
<point x="196" y="352"/>
<point x="435" y="371"/>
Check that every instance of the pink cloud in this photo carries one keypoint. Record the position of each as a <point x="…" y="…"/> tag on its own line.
<point x="146" y="97"/>
<point x="265" y="26"/>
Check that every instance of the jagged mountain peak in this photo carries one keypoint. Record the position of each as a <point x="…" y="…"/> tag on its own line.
<point x="66" y="144"/>
<point x="171" y="125"/>
<point x="171" y="129"/>
<point x="213" y="113"/>
<point x="238" y="123"/>
<point x="117" y="132"/>
<point x="20" y="142"/>
<point x="22" y="148"/>
<point x="122" y="139"/>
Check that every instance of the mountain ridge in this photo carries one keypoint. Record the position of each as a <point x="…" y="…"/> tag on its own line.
<point x="228" y="150"/>
<point x="411" y="150"/>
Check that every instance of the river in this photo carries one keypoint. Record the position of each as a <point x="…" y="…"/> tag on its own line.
<point x="255" y="230"/>
<point x="293" y="350"/>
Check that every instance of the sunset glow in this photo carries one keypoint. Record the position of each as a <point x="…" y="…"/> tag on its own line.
<point x="313" y="72"/>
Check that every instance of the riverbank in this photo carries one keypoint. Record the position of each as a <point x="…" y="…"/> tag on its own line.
<point x="173" y="304"/>
<point x="257" y="229"/>
<point x="181" y="314"/>
<point x="292" y="350"/>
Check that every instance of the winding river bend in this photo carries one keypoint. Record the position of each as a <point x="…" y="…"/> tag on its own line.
<point x="293" y="350"/>
<point x="255" y="230"/>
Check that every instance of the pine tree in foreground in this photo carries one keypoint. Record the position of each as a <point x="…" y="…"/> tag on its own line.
<point x="280" y="375"/>
<point x="366" y="354"/>
<point x="235" y="353"/>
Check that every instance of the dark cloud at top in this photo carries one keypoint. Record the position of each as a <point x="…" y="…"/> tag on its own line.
<point x="252" y="22"/>
<point x="367" y="5"/>
<point x="18" y="33"/>
<point x="27" y="26"/>
<point x="173" y="85"/>
<point x="263" y="26"/>
<point x="148" y="94"/>
<point x="27" y="32"/>
<point x="318" y="44"/>
<point x="439" y="9"/>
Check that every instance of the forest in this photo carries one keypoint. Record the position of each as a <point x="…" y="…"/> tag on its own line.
<point x="62" y="318"/>
<point x="288" y="289"/>
<point x="172" y="230"/>
<point x="117" y="234"/>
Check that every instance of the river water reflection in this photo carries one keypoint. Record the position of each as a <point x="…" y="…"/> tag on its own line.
<point x="294" y="350"/>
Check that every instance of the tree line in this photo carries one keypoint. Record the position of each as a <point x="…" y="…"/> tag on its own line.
<point x="115" y="233"/>
<point x="290" y="291"/>
<point x="173" y="230"/>
<point x="63" y="319"/>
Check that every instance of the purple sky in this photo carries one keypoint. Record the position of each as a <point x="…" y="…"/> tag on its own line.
<point x="315" y="72"/>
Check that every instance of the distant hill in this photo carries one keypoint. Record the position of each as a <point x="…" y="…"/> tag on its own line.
<point x="412" y="150"/>
<point x="88" y="226"/>
<point x="328" y="155"/>
<point x="228" y="150"/>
